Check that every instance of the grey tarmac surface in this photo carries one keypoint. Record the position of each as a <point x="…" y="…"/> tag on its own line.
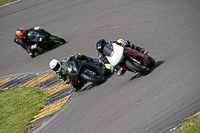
<point x="168" y="29"/>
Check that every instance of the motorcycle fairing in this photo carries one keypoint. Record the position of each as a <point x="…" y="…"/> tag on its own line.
<point x="135" y="53"/>
<point x="116" y="56"/>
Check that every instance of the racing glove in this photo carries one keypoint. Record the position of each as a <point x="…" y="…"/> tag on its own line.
<point x="37" y="27"/>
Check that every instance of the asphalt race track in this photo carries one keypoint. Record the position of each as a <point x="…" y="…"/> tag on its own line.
<point x="167" y="29"/>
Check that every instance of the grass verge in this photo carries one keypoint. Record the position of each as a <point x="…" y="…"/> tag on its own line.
<point x="18" y="106"/>
<point x="192" y="126"/>
<point x="3" y="2"/>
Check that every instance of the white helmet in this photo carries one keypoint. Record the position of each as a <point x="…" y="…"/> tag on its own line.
<point x="55" y="65"/>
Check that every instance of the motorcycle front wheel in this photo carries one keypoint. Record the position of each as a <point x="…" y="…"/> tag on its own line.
<point x="88" y="76"/>
<point x="134" y="66"/>
<point x="151" y="61"/>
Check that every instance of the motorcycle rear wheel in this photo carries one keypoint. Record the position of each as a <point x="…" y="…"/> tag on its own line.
<point x="88" y="78"/>
<point x="137" y="67"/>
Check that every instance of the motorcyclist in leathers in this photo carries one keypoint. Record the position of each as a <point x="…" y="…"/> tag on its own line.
<point x="68" y="75"/>
<point x="21" y="38"/>
<point x="101" y="43"/>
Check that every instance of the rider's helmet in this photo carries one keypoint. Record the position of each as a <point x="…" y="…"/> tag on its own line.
<point x="21" y="33"/>
<point x="55" y="65"/>
<point x="100" y="45"/>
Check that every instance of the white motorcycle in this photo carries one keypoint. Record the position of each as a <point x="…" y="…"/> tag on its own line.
<point x="128" y="58"/>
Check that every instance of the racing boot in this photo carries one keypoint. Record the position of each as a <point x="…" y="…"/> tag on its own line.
<point x="121" y="72"/>
<point x="30" y="52"/>
<point x="32" y="55"/>
<point x="76" y="89"/>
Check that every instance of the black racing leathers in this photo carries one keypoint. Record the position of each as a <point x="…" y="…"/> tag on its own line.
<point x="25" y="43"/>
<point x="67" y="74"/>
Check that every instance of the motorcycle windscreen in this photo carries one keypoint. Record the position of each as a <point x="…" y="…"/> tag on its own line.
<point x="32" y="35"/>
<point x="108" y="50"/>
<point x="116" y="55"/>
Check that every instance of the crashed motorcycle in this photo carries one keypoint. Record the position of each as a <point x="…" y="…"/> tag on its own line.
<point x="44" y="39"/>
<point x="128" y="58"/>
<point x="85" y="71"/>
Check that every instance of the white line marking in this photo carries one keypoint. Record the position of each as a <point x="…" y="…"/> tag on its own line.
<point x="10" y="3"/>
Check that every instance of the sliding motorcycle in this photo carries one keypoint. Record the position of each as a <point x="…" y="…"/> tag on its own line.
<point x="128" y="58"/>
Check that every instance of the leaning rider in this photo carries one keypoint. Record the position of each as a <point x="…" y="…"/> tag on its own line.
<point x="66" y="73"/>
<point x="21" y="38"/>
<point x="101" y="43"/>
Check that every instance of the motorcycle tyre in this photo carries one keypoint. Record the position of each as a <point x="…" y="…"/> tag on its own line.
<point x="87" y="78"/>
<point x="132" y="66"/>
<point x="152" y="62"/>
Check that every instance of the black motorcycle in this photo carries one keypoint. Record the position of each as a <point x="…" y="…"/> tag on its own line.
<point x="44" y="40"/>
<point x="86" y="71"/>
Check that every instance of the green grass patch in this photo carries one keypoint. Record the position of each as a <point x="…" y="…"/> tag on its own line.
<point x="3" y="2"/>
<point x="18" y="106"/>
<point x="191" y="126"/>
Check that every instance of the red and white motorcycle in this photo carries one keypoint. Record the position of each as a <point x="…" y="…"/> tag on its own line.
<point x="128" y="58"/>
